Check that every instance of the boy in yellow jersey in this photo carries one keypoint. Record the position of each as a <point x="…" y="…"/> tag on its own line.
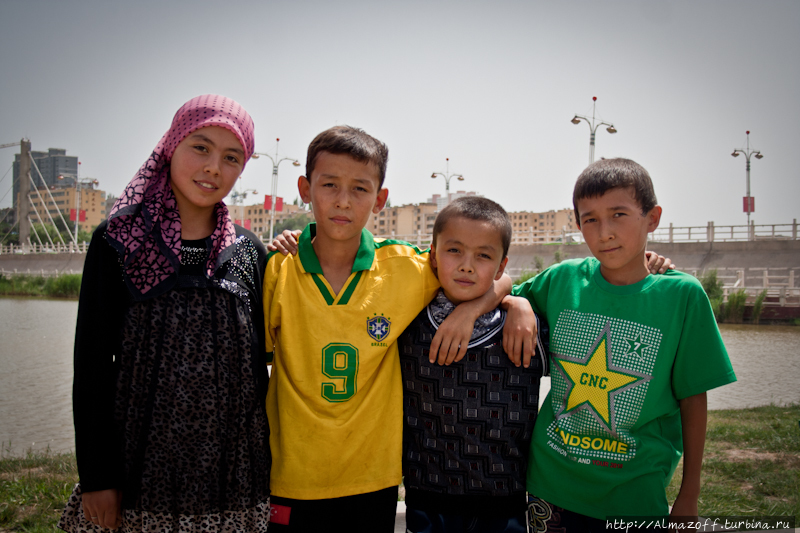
<point x="333" y="314"/>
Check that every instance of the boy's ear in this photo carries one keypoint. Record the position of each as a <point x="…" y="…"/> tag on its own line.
<point x="433" y="256"/>
<point x="502" y="268"/>
<point x="380" y="203"/>
<point x="653" y="218"/>
<point x="304" y="187"/>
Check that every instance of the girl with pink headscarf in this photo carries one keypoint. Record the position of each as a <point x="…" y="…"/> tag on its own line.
<point x="170" y="368"/>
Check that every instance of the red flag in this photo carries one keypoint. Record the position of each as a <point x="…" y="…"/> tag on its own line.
<point x="247" y="224"/>
<point x="267" y="202"/>
<point x="279" y="204"/>
<point x="237" y="221"/>
<point x="749" y="206"/>
<point x="72" y="215"/>
<point x="82" y="216"/>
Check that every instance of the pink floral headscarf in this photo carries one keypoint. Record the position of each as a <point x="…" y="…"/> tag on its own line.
<point x="144" y="225"/>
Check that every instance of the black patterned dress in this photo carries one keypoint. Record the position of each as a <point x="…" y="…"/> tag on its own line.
<point x="169" y="394"/>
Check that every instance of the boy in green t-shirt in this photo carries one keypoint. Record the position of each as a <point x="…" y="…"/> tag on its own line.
<point x="632" y="358"/>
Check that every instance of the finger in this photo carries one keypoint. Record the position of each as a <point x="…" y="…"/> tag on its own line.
<point x="434" y="352"/>
<point x="452" y="353"/>
<point x="507" y="347"/>
<point x="462" y="351"/>
<point x="666" y="266"/>
<point x="528" y="351"/>
<point x="444" y="349"/>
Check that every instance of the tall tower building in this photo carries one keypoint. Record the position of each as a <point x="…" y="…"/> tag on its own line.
<point x="53" y="163"/>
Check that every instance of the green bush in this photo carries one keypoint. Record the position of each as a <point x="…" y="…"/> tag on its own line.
<point x="63" y="286"/>
<point x="734" y="307"/>
<point x="525" y="275"/>
<point x="711" y="284"/>
<point x="716" y="307"/>
<point x="758" y="306"/>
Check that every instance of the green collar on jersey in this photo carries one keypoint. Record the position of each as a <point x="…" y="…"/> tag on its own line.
<point x="308" y="257"/>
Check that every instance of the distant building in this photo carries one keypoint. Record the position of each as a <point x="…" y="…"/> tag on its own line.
<point x="64" y="201"/>
<point x="256" y="218"/>
<point x="442" y="201"/>
<point x="52" y="164"/>
<point x="404" y="221"/>
<point x="542" y="227"/>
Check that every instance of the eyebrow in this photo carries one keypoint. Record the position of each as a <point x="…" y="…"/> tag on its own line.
<point x="479" y="247"/>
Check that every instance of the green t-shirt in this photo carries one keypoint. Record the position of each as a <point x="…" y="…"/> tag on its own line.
<point x="608" y="437"/>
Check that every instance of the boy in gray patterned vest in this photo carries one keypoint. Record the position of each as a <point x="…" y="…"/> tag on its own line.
<point x="467" y="425"/>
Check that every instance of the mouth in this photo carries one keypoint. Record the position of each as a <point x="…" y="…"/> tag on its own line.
<point x="206" y="185"/>
<point x="609" y="250"/>
<point x="464" y="282"/>
<point x="340" y="220"/>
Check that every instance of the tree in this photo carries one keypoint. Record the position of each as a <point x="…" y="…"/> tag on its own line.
<point x="296" y="222"/>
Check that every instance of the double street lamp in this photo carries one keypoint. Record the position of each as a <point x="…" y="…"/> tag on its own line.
<point x="593" y="128"/>
<point x="447" y="177"/>
<point x="749" y="203"/>
<point x="275" y="163"/>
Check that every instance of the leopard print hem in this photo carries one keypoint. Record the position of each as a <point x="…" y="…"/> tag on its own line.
<point x="254" y="519"/>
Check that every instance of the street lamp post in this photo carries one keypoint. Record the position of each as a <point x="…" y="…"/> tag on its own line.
<point x="593" y="128"/>
<point x="748" y="202"/>
<point x="447" y="176"/>
<point x="238" y="197"/>
<point x="275" y="163"/>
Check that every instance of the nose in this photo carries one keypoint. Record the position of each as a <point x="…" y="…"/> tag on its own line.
<point x="342" y="199"/>
<point x="466" y="266"/>
<point x="213" y="165"/>
<point x="606" y="232"/>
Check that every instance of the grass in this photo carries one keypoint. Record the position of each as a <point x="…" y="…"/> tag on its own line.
<point x="61" y="286"/>
<point x="751" y="464"/>
<point x="751" y="468"/>
<point x="34" y="489"/>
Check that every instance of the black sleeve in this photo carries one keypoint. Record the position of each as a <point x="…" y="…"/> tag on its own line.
<point x="101" y="310"/>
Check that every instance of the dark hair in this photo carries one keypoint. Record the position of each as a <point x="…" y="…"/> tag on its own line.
<point x="350" y="141"/>
<point x="606" y="174"/>
<point x="476" y="208"/>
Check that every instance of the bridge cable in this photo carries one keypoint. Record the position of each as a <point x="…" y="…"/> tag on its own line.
<point x="54" y="205"/>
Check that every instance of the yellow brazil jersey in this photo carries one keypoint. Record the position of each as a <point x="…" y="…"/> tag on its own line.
<point x="335" y="399"/>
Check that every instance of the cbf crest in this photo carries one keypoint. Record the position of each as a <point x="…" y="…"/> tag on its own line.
<point x="378" y="327"/>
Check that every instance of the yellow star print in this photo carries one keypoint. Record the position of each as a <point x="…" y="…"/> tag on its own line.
<point x="593" y="382"/>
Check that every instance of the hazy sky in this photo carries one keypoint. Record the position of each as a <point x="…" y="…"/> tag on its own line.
<point x="491" y="85"/>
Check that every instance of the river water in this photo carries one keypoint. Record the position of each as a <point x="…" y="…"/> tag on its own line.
<point x="36" y="339"/>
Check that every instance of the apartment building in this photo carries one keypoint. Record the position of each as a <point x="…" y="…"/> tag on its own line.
<point x="404" y="221"/>
<point x="256" y="218"/>
<point x="61" y="201"/>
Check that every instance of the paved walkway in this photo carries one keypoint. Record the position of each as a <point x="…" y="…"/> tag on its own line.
<point x="400" y="519"/>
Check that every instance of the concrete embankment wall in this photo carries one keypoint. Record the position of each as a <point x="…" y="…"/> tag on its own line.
<point x="687" y="256"/>
<point x="36" y="263"/>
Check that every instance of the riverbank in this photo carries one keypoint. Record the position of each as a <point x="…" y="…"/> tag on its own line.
<point x="751" y="468"/>
<point x="60" y="286"/>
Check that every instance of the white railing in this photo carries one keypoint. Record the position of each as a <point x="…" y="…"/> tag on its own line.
<point x="57" y="248"/>
<point x="713" y="233"/>
<point x="781" y="283"/>
<point x="39" y="273"/>
<point x="669" y="234"/>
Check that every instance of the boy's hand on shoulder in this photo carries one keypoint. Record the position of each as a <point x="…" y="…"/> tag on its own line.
<point x="519" y="332"/>
<point x="285" y="243"/>
<point x="452" y="338"/>
<point x="658" y="264"/>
